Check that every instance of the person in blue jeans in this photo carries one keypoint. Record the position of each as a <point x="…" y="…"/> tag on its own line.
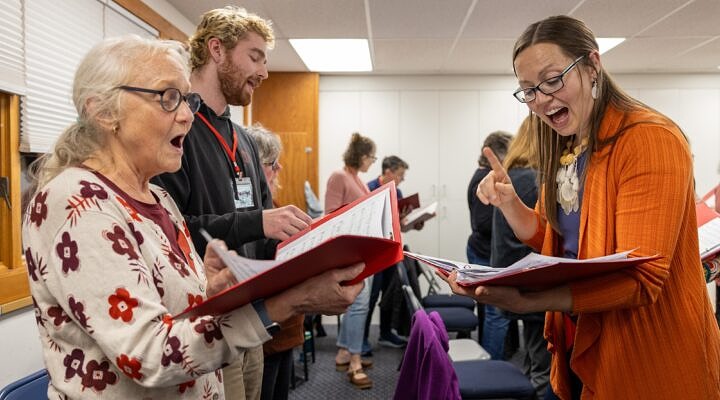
<point x="492" y="326"/>
<point x="393" y="169"/>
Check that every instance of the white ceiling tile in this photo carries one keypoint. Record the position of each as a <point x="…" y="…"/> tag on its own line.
<point x="193" y="10"/>
<point x="318" y="19"/>
<point x="705" y="58"/>
<point x="420" y="19"/>
<point x="645" y="54"/>
<point x="624" y="18"/>
<point x="690" y="21"/>
<point x="410" y="56"/>
<point x="284" y="58"/>
<point x="481" y="57"/>
<point x="508" y="19"/>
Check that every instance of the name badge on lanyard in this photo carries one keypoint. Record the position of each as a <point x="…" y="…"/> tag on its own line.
<point x="243" y="193"/>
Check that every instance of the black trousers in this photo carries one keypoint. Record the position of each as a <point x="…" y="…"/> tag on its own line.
<point x="277" y="373"/>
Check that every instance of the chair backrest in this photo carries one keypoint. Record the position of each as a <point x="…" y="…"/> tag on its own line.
<point x="314" y="209"/>
<point x="410" y="299"/>
<point x="402" y="274"/>
<point x="31" y="387"/>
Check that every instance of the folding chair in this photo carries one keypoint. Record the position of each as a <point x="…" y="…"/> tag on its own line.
<point x="456" y="319"/>
<point x="459" y="349"/>
<point x="31" y="387"/>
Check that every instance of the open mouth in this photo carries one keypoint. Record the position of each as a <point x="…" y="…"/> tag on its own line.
<point x="177" y="141"/>
<point x="558" y="115"/>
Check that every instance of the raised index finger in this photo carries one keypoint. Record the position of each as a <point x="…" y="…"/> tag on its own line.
<point x="495" y="163"/>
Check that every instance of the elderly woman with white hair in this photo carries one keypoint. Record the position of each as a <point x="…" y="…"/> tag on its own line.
<point x="109" y="256"/>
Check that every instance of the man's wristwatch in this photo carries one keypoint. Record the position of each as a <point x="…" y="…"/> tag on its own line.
<point x="271" y="327"/>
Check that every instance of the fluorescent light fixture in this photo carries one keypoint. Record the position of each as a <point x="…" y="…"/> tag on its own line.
<point x="608" y="43"/>
<point x="334" y="55"/>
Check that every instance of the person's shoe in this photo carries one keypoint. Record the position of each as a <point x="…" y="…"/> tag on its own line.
<point x="368" y="353"/>
<point x="360" y="379"/>
<point x="367" y="364"/>
<point x="392" y="341"/>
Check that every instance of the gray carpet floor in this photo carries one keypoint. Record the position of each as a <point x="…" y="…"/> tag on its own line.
<point x="326" y="383"/>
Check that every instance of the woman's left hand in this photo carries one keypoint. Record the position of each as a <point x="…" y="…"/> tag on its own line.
<point x="511" y="299"/>
<point x="219" y="277"/>
<point x="505" y="297"/>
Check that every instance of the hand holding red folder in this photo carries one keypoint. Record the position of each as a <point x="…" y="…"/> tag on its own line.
<point x="365" y="231"/>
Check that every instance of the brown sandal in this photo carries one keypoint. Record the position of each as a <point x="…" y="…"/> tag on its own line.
<point x="360" y="379"/>
<point x="366" y="364"/>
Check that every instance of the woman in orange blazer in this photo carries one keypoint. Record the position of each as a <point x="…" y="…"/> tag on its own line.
<point x="616" y="175"/>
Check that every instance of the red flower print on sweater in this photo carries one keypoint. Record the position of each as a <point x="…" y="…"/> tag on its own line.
<point x="90" y="190"/>
<point x="121" y="305"/>
<point x="59" y="315"/>
<point x="78" y="311"/>
<point x="130" y="366"/>
<point x="186" y="385"/>
<point x="38" y="209"/>
<point x="133" y="212"/>
<point x="98" y="376"/>
<point x="172" y="352"/>
<point x="73" y="363"/>
<point x="34" y="265"/>
<point x="209" y="329"/>
<point x="121" y="244"/>
<point x="67" y="251"/>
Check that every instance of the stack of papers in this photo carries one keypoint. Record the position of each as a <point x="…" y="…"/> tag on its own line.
<point x="534" y="270"/>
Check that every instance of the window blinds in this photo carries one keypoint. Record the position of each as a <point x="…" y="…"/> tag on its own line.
<point x="58" y="34"/>
<point x="12" y="69"/>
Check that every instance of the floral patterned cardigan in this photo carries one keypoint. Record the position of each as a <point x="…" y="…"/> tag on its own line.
<point x="106" y="280"/>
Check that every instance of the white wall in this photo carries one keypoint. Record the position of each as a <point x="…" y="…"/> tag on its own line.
<point x="437" y="124"/>
<point x="19" y="346"/>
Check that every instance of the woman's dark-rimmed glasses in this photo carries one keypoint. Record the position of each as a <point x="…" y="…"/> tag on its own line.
<point x="275" y="165"/>
<point x="547" y="87"/>
<point x="170" y="98"/>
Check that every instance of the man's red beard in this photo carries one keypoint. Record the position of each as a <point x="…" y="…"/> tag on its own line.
<point x="231" y="85"/>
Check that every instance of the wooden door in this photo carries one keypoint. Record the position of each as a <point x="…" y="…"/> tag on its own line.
<point x="287" y="104"/>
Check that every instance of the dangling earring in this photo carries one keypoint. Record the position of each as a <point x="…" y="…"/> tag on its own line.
<point x="593" y="91"/>
<point x="115" y="129"/>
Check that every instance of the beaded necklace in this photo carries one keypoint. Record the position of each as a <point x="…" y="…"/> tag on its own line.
<point x="568" y="183"/>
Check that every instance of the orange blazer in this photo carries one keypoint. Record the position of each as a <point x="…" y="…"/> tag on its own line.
<point x="647" y="332"/>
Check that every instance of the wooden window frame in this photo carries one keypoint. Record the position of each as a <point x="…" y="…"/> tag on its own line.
<point x="14" y="288"/>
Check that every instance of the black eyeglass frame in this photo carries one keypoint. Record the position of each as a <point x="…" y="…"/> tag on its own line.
<point x="275" y="165"/>
<point x="192" y="99"/>
<point x="518" y="94"/>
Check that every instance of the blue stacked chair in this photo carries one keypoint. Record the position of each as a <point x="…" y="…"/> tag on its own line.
<point x="31" y="387"/>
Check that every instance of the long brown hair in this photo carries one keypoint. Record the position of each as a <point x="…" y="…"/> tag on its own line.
<point x="575" y="40"/>
<point x="522" y="152"/>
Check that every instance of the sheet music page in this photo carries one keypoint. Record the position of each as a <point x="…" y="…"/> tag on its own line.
<point x="417" y="214"/>
<point x="470" y="273"/>
<point x="709" y="236"/>
<point x="534" y="260"/>
<point x="372" y="217"/>
<point x="243" y="268"/>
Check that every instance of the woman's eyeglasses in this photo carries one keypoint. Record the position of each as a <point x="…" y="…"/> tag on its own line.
<point x="170" y="98"/>
<point x="547" y="87"/>
<point x="275" y="165"/>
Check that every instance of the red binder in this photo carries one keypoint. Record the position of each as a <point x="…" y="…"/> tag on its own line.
<point x="547" y="275"/>
<point x="335" y="252"/>
<point x="410" y="201"/>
